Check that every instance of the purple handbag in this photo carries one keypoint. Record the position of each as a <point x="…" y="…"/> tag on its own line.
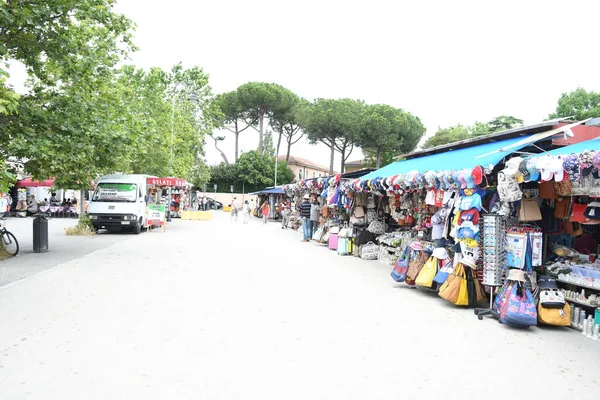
<point x="401" y="267"/>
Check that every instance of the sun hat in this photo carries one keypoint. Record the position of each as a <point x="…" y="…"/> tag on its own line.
<point x="524" y="171"/>
<point x="471" y="215"/>
<point x="596" y="160"/>
<point x="469" y="262"/>
<point x="455" y="179"/>
<point x="461" y="179"/>
<point x="516" y="275"/>
<point x="571" y="166"/>
<point x="440" y="253"/>
<point x="545" y="165"/>
<point x="416" y="246"/>
<point x="556" y="166"/>
<point x="306" y="197"/>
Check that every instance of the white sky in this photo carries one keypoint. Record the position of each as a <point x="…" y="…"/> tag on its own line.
<point x="447" y="62"/>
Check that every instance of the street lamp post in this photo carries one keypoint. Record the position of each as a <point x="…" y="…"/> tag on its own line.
<point x="193" y="98"/>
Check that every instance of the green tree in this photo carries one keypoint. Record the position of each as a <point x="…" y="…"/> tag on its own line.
<point x="387" y="157"/>
<point x="503" y="123"/>
<point x="286" y="122"/>
<point x="232" y="119"/>
<point x="259" y="101"/>
<point x="385" y="128"/>
<point x="447" y="135"/>
<point x="578" y="104"/>
<point x="69" y="49"/>
<point x="332" y="122"/>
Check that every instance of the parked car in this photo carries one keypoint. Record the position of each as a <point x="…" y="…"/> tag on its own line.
<point x="212" y="203"/>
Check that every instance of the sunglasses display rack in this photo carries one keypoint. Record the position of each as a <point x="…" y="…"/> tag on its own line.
<point x="494" y="229"/>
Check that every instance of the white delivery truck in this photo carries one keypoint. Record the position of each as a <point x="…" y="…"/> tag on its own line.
<point x="119" y="203"/>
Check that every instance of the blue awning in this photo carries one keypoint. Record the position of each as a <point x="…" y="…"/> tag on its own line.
<point x="276" y="190"/>
<point x="592" y="144"/>
<point x="469" y="157"/>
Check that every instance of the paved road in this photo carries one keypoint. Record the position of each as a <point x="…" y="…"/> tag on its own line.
<point x="210" y="310"/>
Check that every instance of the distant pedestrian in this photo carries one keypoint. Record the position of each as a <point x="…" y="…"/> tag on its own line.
<point x="305" y="215"/>
<point x="286" y="213"/>
<point x="205" y="203"/>
<point x="314" y="217"/>
<point x="234" y="209"/>
<point x="246" y="212"/>
<point x="265" y="210"/>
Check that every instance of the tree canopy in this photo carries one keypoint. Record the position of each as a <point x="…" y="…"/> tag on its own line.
<point x="578" y="104"/>
<point x="385" y="128"/>
<point x="462" y="132"/>
<point x="333" y="122"/>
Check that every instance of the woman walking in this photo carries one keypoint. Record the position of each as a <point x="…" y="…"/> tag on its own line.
<point x="265" y="211"/>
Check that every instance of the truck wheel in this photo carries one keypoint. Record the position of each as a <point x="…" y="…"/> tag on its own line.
<point x="137" y="229"/>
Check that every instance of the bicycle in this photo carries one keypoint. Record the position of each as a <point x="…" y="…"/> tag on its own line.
<point x="7" y="239"/>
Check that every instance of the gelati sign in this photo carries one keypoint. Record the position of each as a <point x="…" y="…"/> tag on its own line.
<point x="165" y="181"/>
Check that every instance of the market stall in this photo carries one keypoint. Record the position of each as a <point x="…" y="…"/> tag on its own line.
<point x="173" y="193"/>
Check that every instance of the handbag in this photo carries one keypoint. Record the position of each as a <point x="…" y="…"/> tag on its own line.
<point x="562" y="208"/>
<point x="371" y="216"/>
<point x="563" y="188"/>
<point x="520" y="309"/>
<point x="548" y="190"/>
<point x="443" y="273"/>
<point x="552" y="298"/>
<point x="401" y="267"/>
<point x="529" y="211"/>
<point x="334" y="230"/>
<point x="463" y="291"/>
<point x="555" y="316"/>
<point x="578" y="213"/>
<point x="415" y="266"/>
<point x="450" y="288"/>
<point x="359" y="212"/>
<point x="369" y="251"/>
<point x="357" y="221"/>
<point x="427" y="273"/>
<point x="377" y="227"/>
<point x="318" y="235"/>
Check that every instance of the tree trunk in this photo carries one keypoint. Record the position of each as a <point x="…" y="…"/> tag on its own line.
<point x="261" y="131"/>
<point x="343" y="162"/>
<point x="378" y="163"/>
<point x="81" y="203"/>
<point x="289" y="147"/>
<point x="278" y="145"/>
<point x="219" y="150"/>
<point x="237" y="138"/>
<point x="331" y="158"/>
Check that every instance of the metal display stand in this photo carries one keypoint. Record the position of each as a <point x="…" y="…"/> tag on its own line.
<point x="492" y="244"/>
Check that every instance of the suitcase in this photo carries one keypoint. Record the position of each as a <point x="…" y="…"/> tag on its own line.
<point x="333" y="241"/>
<point x="343" y="246"/>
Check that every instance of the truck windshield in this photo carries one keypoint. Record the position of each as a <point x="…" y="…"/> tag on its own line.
<point x="116" y="192"/>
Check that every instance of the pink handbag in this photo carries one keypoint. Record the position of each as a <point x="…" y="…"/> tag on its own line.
<point x="333" y="241"/>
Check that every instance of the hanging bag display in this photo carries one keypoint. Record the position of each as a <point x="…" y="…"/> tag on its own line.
<point x="563" y="188"/>
<point x="401" y="267"/>
<point x="443" y="273"/>
<point x="377" y="227"/>
<point x="529" y="211"/>
<point x="578" y="213"/>
<point x="562" y="208"/>
<point x="548" y="190"/>
<point x="450" y="289"/>
<point x="416" y="264"/>
<point x="318" y="235"/>
<point x="427" y="273"/>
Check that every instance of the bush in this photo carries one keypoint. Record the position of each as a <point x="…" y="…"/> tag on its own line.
<point x="84" y="227"/>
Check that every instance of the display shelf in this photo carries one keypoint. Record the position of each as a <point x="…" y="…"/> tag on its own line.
<point x="578" y="329"/>
<point x="578" y="285"/>
<point x="581" y="303"/>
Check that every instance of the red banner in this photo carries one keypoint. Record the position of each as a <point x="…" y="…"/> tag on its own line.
<point x="165" y="181"/>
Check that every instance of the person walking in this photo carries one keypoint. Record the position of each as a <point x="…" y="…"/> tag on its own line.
<point x="205" y="203"/>
<point x="234" y="209"/>
<point x="314" y="216"/>
<point x="265" y="210"/>
<point x="246" y="212"/>
<point x="305" y="215"/>
<point x="286" y="212"/>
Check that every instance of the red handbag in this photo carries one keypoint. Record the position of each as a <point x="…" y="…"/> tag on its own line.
<point x="577" y="213"/>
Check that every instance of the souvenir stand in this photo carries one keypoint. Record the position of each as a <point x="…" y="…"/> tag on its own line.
<point x="160" y="189"/>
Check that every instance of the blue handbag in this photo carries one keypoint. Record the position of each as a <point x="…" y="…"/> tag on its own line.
<point x="401" y="268"/>
<point x="442" y="275"/>
<point x="520" y="310"/>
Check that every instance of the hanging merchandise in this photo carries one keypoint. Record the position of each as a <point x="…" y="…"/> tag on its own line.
<point x="416" y="264"/>
<point x="456" y="282"/>
<point x="494" y="228"/>
<point x="515" y="249"/>
<point x="401" y="268"/>
<point x="508" y="187"/>
<point x="427" y="273"/>
<point x="529" y="210"/>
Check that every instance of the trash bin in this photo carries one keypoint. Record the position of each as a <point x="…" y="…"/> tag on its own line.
<point x="40" y="234"/>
